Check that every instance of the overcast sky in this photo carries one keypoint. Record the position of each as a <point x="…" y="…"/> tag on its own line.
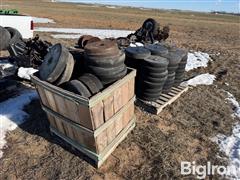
<point x="195" y="5"/>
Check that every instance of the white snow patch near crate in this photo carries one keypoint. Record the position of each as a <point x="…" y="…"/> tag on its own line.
<point x="42" y="20"/>
<point x="12" y="114"/>
<point x="7" y="68"/>
<point x="197" y="59"/>
<point x="202" y="79"/>
<point x="72" y="33"/>
<point x="230" y="145"/>
<point x="25" y="73"/>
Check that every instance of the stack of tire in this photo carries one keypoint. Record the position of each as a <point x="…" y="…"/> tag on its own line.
<point x="86" y="85"/>
<point x="85" y="39"/>
<point x="174" y="59"/>
<point x="179" y="75"/>
<point x="151" y="72"/>
<point x="57" y="68"/>
<point x="8" y="36"/>
<point x="105" y="60"/>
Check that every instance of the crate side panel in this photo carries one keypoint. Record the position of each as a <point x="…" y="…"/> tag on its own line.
<point x="108" y="108"/>
<point x="97" y="115"/>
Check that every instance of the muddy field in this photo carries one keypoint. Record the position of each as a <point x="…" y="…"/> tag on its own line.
<point x="155" y="148"/>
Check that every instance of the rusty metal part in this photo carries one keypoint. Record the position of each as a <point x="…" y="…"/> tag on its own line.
<point x="102" y="48"/>
<point x="85" y="39"/>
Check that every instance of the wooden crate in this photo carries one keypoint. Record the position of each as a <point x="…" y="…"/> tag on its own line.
<point x="94" y="126"/>
<point x="155" y="107"/>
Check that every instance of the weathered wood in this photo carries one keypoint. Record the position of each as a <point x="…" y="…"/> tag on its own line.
<point x="163" y="101"/>
<point x="98" y="158"/>
<point x="96" y="124"/>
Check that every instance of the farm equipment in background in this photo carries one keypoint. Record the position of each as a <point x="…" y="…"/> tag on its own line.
<point x="149" y="33"/>
<point x="29" y="53"/>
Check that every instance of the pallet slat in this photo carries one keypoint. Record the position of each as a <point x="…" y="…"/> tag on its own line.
<point x="164" y="100"/>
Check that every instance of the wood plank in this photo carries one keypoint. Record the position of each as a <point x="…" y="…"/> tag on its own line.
<point x="172" y="94"/>
<point x="101" y="141"/>
<point x="108" y="108"/>
<point x="125" y="94"/>
<point x="131" y="88"/>
<point x="111" y="133"/>
<point x="42" y="96"/>
<point x="174" y="91"/>
<point x="97" y="115"/>
<point x="160" y="102"/>
<point x="51" y="100"/>
<point x="163" y="101"/>
<point x="166" y="96"/>
<point x="117" y="100"/>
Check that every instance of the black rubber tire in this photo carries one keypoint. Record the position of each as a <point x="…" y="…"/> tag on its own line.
<point x="67" y="73"/>
<point x="89" y="83"/>
<point x="95" y="79"/>
<point x="16" y="36"/>
<point x="154" y="70"/>
<point x="137" y="52"/>
<point x="5" y="38"/>
<point x="172" y="69"/>
<point x="106" y="72"/>
<point x="157" y="49"/>
<point x="152" y="79"/>
<point x="106" y="62"/>
<point x="154" y="26"/>
<point x="180" y="71"/>
<point x="148" y="96"/>
<point x="108" y="80"/>
<point x="155" y="61"/>
<point x="59" y="54"/>
<point x="151" y="74"/>
<point x="76" y="87"/>
<point x="151" y="85"/>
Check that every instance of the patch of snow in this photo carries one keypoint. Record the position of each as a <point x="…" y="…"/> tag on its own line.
<point x="42" y="20"/>
<point x="202" y="79"/>
<point x="197" y="59"/>
<point x="12" y="114"/>
<point x="25" y="73"/>
<point x="230" y="145"/>
<point x="76" y="33"/>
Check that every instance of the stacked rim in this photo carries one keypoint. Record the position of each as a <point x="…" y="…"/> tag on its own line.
<point x="179" y="76"/>
<point x="105" y="60"/>
<point x="174" y="59"/>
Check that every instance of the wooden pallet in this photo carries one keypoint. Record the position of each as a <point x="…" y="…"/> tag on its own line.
<point x="155" y="107"/>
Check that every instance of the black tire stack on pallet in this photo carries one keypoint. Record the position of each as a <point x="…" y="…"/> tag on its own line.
<point x="5" y="38"/>
<point x="105" y="60"/>
<point x="174" y="59"/>
<point x="179" y="75"/>
<point x="151" y="72"/>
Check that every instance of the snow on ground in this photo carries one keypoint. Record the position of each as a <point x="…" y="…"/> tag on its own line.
<point x="197" y="59"/>
<point x="202" y="79"/>
<point x="25" y="73"/>
<point x="72" y="33"/>
<point x="12" y="114"/>
<point x="230" y="145"/>
<point x="42" y="20"/>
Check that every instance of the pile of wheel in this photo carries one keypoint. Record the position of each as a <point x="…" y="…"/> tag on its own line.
<point x="174" y="59"/>
<point x="151" y="72"/>
<point x="8" y="36"/>
<point x="105" y="60"/>
<point x="86" y="85"/>
<point x="179" y="75"/>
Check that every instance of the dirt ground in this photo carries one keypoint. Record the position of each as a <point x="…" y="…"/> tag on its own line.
<point x="155" y="148"/>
